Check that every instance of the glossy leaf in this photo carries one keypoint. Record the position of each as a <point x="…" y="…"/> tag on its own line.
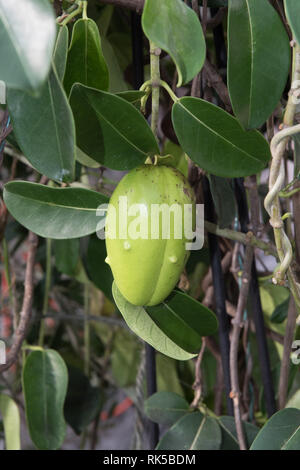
<point x="85" y="160"/>
<point x="9" y="412"/>
<point x="166" y="408"/>
<point x="214" y="139"/>
<point x="27" y="36"/>
<point x="60" y="52"/>
<point x="115" y="134"/>
<point x="229" y="435"/>
<point x="142" y="325"/>
<point x="184" y="320"/>
<point x="174" y="27"/>
<point x="58" y="213"/>
<point x="83" y="401"/>
<point x="66" y="254"/>
<point x="280" y="312"/>
<point x="44" y="128"/>
<point x="132" y="96"/>
<point x="98" y="270"/>
<point x="45" y="379"/>
<point x="224" y="200"/>
<point x="281" y="432"/>
<point x="258" y="60"/>
<point x="192" y="432"/>
<point x="86" y="63"/>
<point x="292" y="10"/>
<point x="117" y="82"/>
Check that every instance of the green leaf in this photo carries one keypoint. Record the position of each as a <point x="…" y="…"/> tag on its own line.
<point x="294" y="400"/>
<point x="44" y="128"/>
<point x="214" y="139"/>
<point x="104" y="19"/>
<point x="292" y="10"/>
<point x="125" y="356"/>
<point x="86" y="64"/>
<point x="45" y="379"/>
<point x="58" y="213"/>
<point x="166" y="408"/>
<point x="175" y="28"/>
<point x="258" y="60"/>
<point x="224" y="200"/>
<point x="280" y="312"/>
<point x="115" y="134"/>
<point x="143" y="326"/>
<point x="83" y="401"/>
<point x="85" y="160"/>
<point x="174" y="156"/>
<point x="192" y="432"/>
<point x="66" y="255"/>
<point x="11" y="422"/>
<point x="132" y="96"/>
<point x="60" y="52"/>
<point x="27" y="36"/>
<point x="117" y="82"/>
<point x="98" y="270"/>
<point x="184" y="320"/>
<point x="229" y="435"/>
<point x="281" y="432"/>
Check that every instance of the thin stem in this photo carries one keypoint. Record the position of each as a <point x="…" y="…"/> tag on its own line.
<point x="46" y="292"/>
<point x="290" y="193"/>
<point x="12" y="298"/>
<point x="155" y="83"/>
<point x="25" y="313"/>
<point x="244" y="238"/>
<point x="234" y="346"/>
<point x="198" y="383"/>
<point x="84" y="11"/>
<point x="86" y="330"/>
<point x="74" y="13"/>
<point x="169" y="90"/>
<point x="276" y="181"/>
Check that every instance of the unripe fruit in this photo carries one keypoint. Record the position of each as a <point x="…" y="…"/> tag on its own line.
<point x="147" y="270"/>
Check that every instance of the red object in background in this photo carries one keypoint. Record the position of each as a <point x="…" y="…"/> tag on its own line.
<point x="118" y="410"/>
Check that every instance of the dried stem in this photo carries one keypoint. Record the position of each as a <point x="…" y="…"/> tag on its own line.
<point x="244" y="238"/>
<point x="198" y="383"/>
<point x="25" y="313"/>
<point x="234" y="346"/>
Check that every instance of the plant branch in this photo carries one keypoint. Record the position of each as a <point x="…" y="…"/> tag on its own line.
<point x="46" y="292"/>
<point x="155" y="83"/>
<point x="26" y="311"/>
<point x="215" y="81"/>
<point x="287" y="347"/>
<point x="234" y="345"/>
<point x="198" y="383"/>
<point x="244" y="238"/>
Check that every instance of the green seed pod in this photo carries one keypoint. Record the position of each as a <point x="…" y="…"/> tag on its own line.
<point x="146" y="244"/>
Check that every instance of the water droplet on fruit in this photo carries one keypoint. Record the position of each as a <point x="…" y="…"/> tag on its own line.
<point x="107" y="260"/>
<point x="173" y="259"/>
<point x="127" y="246"/>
